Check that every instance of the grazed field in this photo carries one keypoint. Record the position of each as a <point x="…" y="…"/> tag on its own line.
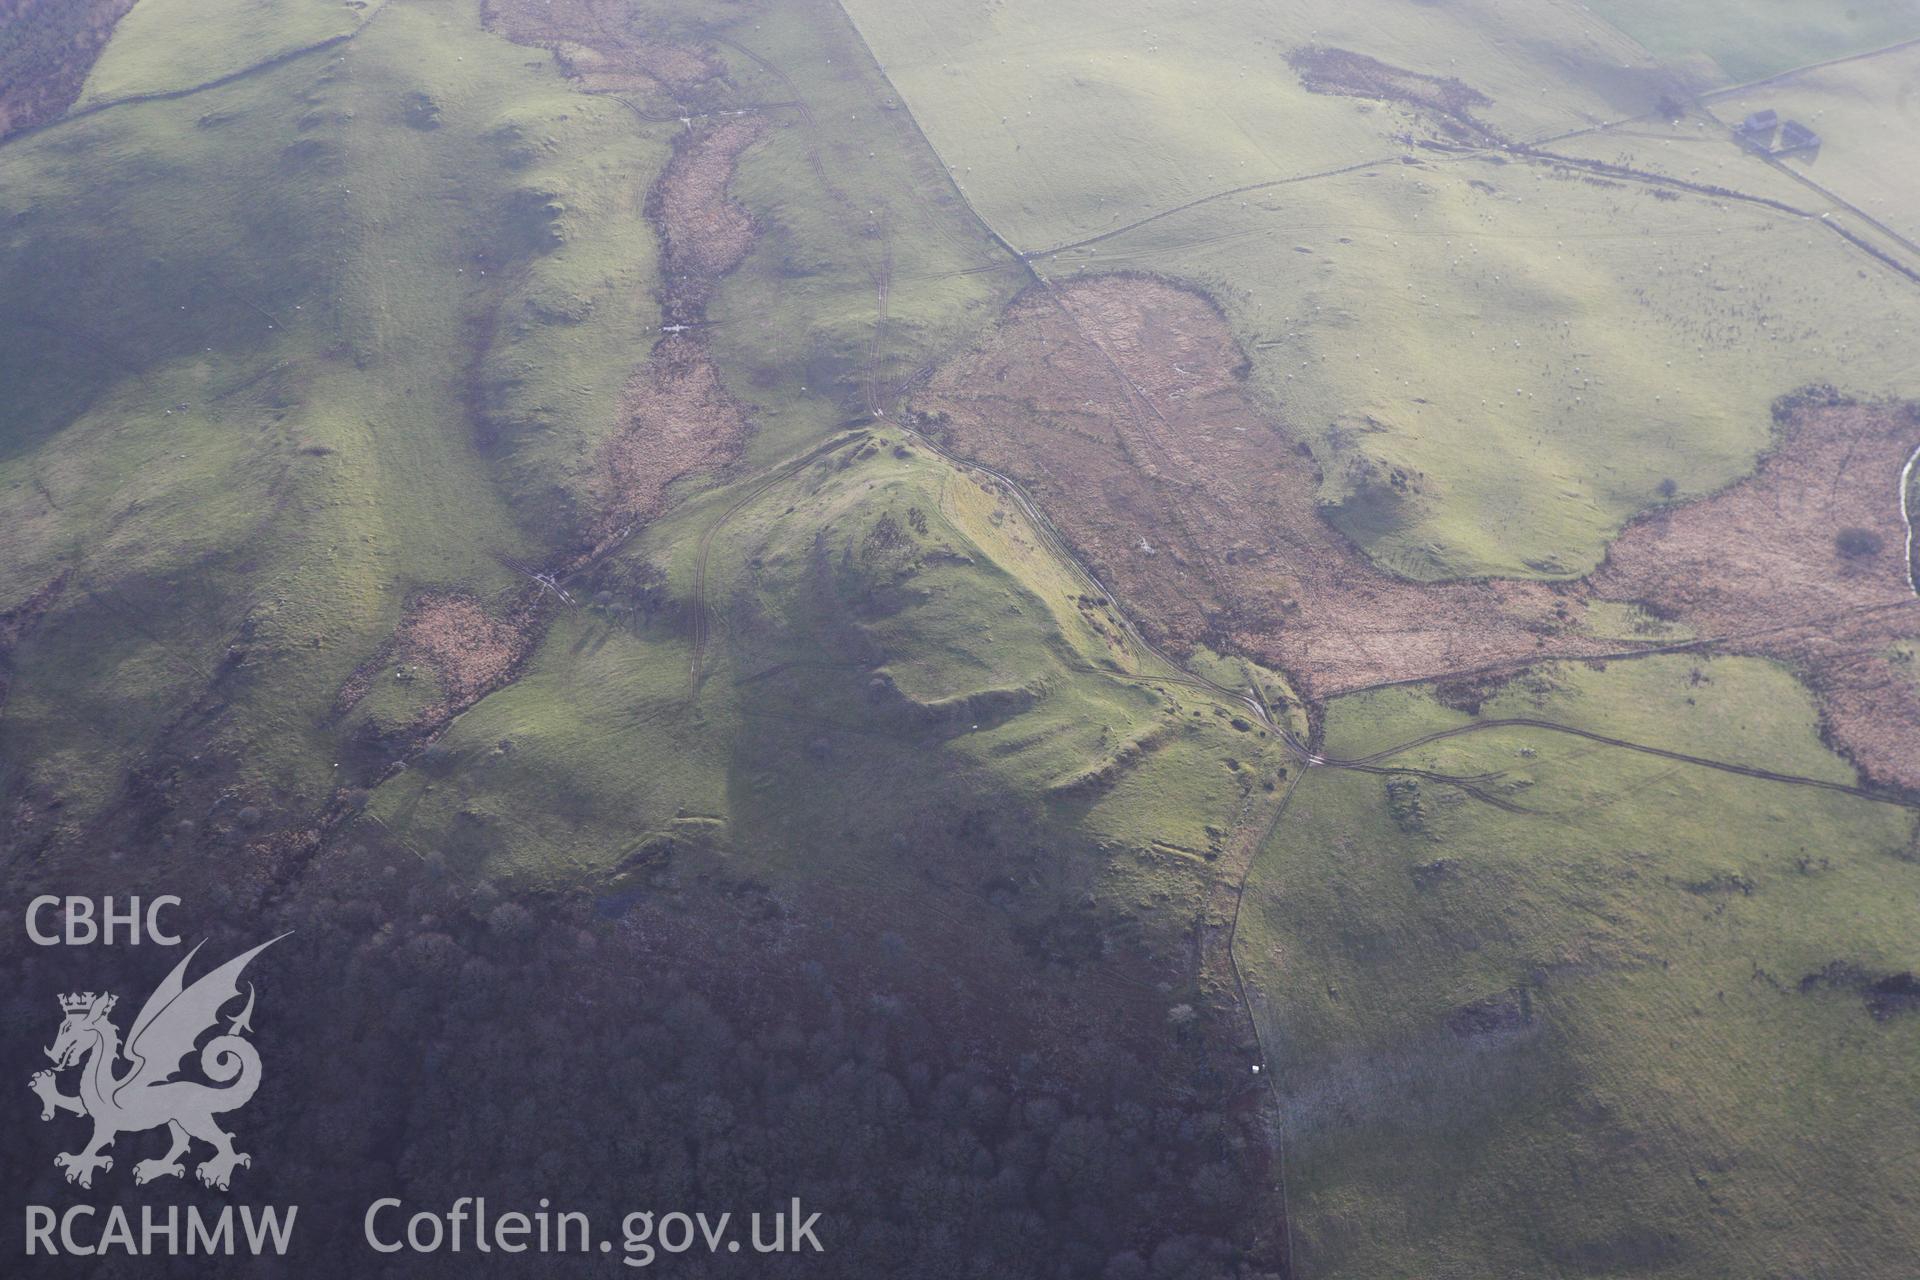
<point x="1060" y="122"/>
<point x="1596" y="1036"/>
<point x="1716" y="41"/>
<point x="1431" y="265"/>
<point x="1544" y="345"/>
<point x="164" y="46"/>
<point x="1867" y="113"/>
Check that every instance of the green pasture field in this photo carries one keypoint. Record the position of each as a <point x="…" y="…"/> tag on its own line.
<point x="1063" y="121"/>
<point x="163" y="46"/>
<point x="1734" y="41"/>
<point x="1867" y="113"/>
<point x="1622" y="1033"/>
<point x="1541" y="352"/>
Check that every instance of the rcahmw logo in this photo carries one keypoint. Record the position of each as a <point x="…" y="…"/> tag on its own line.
<point x="131" y="1086"/>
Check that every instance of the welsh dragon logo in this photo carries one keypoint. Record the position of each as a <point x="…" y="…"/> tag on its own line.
<point x="145" y="1095"/>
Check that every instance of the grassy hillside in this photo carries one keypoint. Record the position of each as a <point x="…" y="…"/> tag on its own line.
<point x="1741" y="40"/>
<point x="882" y="629"/>
<point x="1866" y="113"/>
<point x="868" y="265"/>
<point x="1067" y="120"/>
<point x="169" y="45"/>
<point x="364" y="322"/>
<point x="1629" y="1031"/>
<point x="329" y="331"/>
<point x="243" y="323"/>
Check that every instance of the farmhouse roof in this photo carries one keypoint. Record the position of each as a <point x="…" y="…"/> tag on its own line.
<point x="1796" y="136"/>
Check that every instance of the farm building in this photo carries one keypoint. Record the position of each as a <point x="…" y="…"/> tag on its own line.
<point x="1757" y="129"/>
<point x="1795" y="136"/>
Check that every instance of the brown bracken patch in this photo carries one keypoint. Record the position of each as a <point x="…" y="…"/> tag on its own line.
<point x="470" y="652"/>
<point x="468" y="649"/>
<point x="704" y="233"/>
<point x="1444" y="101"/>
<point x="1764" y="562"/>
<point x="597" y="43"/>
<point x="47" y="52"/>
<point x="1120" y="402"/>
<point x="676" y="418"/>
